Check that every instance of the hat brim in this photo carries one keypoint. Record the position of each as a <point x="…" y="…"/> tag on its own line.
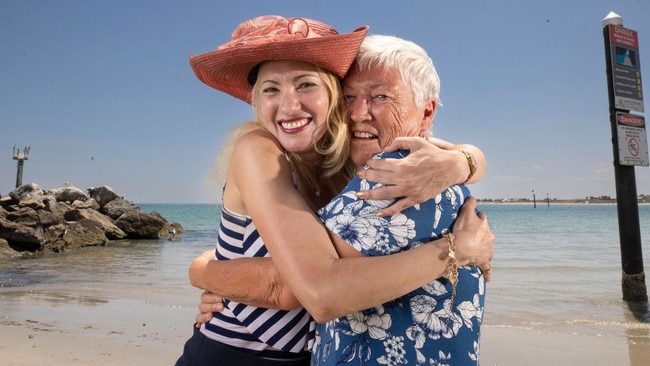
<point x="227" y="69"/>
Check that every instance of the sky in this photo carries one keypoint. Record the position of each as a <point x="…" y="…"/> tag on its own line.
<point x="103" y="93"/>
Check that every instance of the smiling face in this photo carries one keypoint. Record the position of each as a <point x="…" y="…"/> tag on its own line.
<point x="293" y="102"/>
<point x="382" y="107"/>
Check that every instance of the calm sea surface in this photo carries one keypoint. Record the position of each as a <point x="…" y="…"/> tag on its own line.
<point x="555" y="267"/>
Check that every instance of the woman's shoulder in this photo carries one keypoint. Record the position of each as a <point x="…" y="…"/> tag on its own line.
<point x="257" y="135"/>
<point x="256" y="141"/>
<point x="254" y="152"/>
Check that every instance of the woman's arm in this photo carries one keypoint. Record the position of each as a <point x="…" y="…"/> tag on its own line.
<point x="300" y="247"/>
<point x="430" y="168"/>
<point x="255" y="281"/>
<point x="252" y="281"/>
<point x="480" y="162"/>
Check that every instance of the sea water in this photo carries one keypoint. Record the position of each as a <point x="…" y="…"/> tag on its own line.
<point x="556" y="268"/>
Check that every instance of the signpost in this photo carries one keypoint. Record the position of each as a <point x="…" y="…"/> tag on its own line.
<point x="630" y="146"/>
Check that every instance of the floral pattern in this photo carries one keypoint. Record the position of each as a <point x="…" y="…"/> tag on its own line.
<point x="422" y="327"/>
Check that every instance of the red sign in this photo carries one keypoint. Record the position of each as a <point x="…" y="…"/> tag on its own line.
<point x="623" y="46"/>
<point x="630" y="120"/>
<point x="623" y="36"/>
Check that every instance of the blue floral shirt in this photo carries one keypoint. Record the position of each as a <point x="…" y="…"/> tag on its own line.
<point x="417" y="328"/>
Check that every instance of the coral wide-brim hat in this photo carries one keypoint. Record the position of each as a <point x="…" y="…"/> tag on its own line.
<point x="271" y="37"/>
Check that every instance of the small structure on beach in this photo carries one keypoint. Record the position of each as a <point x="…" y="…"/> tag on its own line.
<point x="21" y="157"/>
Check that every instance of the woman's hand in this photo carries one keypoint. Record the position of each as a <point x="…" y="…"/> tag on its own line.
<point x="429" y="169"/>
<point x="210" y="303"/>
<point x="474" y="240"/>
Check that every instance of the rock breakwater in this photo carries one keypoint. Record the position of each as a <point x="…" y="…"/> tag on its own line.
<point x="33" y="219"/>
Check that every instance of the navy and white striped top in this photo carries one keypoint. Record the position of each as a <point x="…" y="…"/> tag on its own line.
<point x="264" y="332"/>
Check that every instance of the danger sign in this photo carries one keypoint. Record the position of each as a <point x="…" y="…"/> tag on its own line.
<point x="632" y="139"/>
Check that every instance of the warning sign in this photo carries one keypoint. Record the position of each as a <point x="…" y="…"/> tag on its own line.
<point x="632" y="139"/>
<point x="626" y="68"/>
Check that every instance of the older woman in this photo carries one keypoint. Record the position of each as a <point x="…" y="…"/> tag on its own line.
<point x="392" y="90"/>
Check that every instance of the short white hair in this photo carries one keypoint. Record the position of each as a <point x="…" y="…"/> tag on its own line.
<point x="412" y="62"/>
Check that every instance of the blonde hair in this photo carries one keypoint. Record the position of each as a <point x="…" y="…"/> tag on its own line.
<point x="331" y="141"/>
<point x="216" y="178"/>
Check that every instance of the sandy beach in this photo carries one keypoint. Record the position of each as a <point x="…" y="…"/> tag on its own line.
<point x="49" y="328"/>
<point x="129" y="332"/>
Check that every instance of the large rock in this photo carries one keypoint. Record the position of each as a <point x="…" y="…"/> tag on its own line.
<point x="117" y="208"/>
<point x="138" y="224"/>
<point x="102" y="195"/>
<point x="37" y="203"/>
<point x="22" y="237"/>
<point x="24" y="216"/>
<point x="77" y="234"/>
<point x="90" y="203"/>
<point x="30" y="217"/>
<point x="111" y="231"/>
<point x="26" y="191"/>
<point x="69" y="193"/>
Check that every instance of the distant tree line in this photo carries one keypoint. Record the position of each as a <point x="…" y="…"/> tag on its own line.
<point x="642" y="198"/>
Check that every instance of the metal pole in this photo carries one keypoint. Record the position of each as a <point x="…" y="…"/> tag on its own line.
<point x="21" y="157"/>
<point x="19" y="174"/>
<point x="633" y="278"/>
<point x="534" y="202"/>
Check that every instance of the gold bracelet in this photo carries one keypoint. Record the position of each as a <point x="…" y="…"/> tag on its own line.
<point x="452" y="269"/>
<point x="471" y="162"/>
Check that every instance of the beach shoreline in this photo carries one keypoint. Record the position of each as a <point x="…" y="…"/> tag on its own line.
<point x="135" y="334"/>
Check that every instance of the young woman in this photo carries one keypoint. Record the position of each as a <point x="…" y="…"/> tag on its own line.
<point x="278" y="175"/>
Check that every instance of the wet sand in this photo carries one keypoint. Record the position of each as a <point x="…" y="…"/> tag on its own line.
<point x="47" y="328"/>
<point x="53" y="328"/>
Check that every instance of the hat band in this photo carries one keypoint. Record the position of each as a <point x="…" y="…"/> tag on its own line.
<point x="281" y="30"/>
